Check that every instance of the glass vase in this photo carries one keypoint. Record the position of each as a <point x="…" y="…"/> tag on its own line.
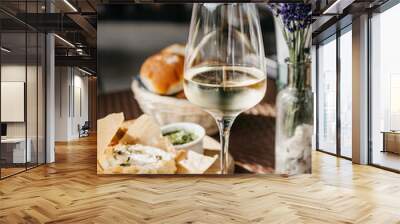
<point x="294" y="122"/>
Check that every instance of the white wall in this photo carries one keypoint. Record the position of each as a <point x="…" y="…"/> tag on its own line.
<point x="80" y="84"/>
<point x="12" y="73"/>
<point x="70" y="83"/>
<point x="62" y="81"/>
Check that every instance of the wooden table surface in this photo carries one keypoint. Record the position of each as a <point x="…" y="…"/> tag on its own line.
<point x="70" y="191"/>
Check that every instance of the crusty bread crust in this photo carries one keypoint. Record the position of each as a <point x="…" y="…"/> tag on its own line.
<point x="110" y="131"/>
<point x="162" y="73"/>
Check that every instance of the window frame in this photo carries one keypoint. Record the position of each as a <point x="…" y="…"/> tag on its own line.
<point x="333" y="37"/>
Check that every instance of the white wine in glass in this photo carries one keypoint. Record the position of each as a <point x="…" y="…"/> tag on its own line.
<point x="225" y="63"/>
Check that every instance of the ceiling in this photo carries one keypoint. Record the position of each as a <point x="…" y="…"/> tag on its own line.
<point x="329" y="16"/>
<point x="72" y="20"/>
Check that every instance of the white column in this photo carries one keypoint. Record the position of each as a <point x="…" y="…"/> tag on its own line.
<point x="50" y="92"/>
<point x="63" y="99"/>
<point x="360" y="90"/>
<point x="50" y="98"/>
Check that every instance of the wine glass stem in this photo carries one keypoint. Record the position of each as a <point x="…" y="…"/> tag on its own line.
<point x="224" y="125"/>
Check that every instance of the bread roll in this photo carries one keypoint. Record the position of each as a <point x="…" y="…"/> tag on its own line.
<point x="175" y="49"/>
<point x="163" y="73"/>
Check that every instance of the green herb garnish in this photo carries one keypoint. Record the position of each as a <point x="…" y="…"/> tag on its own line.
<point x="180" y="137"/>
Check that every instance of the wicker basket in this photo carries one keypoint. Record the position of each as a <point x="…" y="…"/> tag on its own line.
<point x="170" y="109"/>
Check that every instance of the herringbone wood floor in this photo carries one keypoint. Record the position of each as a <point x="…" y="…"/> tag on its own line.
<point x="69" y="191"/>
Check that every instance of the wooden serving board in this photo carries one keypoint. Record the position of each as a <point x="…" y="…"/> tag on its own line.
<point x="211" y="148"/>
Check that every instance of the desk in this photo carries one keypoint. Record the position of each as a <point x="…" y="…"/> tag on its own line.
<point x="16" y="147"/>
<point x="391" y="141"/>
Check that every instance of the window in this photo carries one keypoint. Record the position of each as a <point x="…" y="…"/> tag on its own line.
<point x="394" y="101"/>
<point x="346" y="93"/>
<point x="385" y="89"/>
<point x="327" y="96"/>
<point x="334" y="106"/>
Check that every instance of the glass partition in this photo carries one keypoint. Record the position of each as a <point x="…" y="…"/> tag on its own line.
<point x="22" y="88"/>
<point x="14" y="153"/>
<point x="32" y="88"/>
<point x="31" y="97"/>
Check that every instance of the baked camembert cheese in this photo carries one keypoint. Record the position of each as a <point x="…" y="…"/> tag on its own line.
<point x="138" y="159"/>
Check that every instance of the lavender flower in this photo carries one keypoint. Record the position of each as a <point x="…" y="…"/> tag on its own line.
<point x="295" y="19"/>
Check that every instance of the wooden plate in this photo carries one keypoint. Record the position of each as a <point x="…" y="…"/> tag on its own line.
<point x="211" y="148"/>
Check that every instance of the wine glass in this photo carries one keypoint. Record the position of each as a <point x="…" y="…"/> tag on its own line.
<point x="225" y="70"/>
